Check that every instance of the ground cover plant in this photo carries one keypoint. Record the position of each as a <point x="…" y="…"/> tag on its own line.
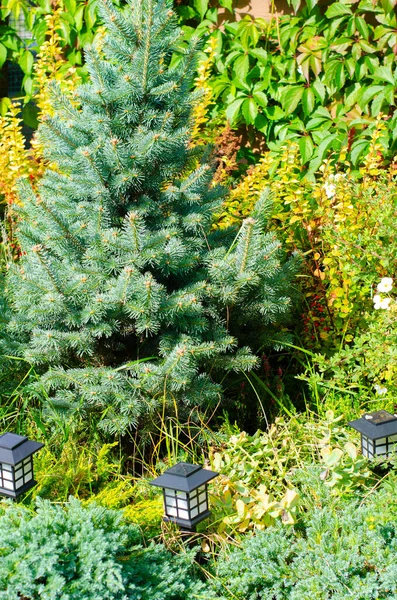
<point x="73" y="552"/>
<point x="338" y="551"/>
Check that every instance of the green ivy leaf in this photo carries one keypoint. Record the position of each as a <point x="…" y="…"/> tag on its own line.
<point x="90" y="14"/>
<point x="27" y="84"/>
<point x="311" y="4"/>
<point x="376" y="106"/>
<point x="274" y="113"/>
<point x="260" y="54"/>
<point x="320" y="90"/>
<point x="262" y="123"/>
<point x="295" y="5"/>
<point x="340" y="76"/>
<point x="322" y="150"/>
<point x="308" y="101"/>
<point x="70" y="6"/>
<point x="26" y="62"/>
<point x="233" y="110"/>
<point x="3" y="54"/>
<point x="228" y="4"/>
<point x="30" y="113"/>
<point x="362" y="27"/>
<point x="359" y="148"/>
<point x="5" y="104"/>
<point x="306" y="148"/>
<point x="201" y="6"/>
<point x="384" y="74"/>
<point x="260" y="98"/>
<point x="249" y="110"/>
<point x="337" y="9"/>
<point x="367" y="94"/>
<point x="291" y="98"/>
<point x="241" y="67"/>
<point x="78" y="17"/>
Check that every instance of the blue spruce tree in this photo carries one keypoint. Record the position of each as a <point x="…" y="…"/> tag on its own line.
<point x="124" y="298"/>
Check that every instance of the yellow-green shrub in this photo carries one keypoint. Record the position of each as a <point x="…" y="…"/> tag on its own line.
<point x="342" y="224"/>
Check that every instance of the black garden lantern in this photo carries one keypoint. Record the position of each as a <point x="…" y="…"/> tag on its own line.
<point x="16" y="464"/>
<point x="378" y="433"/>
<point x="185" y="489"/>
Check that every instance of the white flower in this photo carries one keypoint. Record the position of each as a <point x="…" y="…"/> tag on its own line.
<point x="380" y="302"/>
<point x="330" y="189"/>
<point x="381" y="391"/>
<point x="377" y="300"/>
<point x="385" y="285"/>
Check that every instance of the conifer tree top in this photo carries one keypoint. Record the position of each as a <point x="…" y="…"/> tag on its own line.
<point x="124" y="297"/>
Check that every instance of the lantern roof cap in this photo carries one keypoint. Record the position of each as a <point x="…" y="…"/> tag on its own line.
<point x="184" y="477"/>
<point x="14" y="448"/>
<point x="376" y="425"/>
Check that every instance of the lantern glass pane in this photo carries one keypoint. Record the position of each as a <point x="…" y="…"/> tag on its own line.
<point x="193" y="501"/>
<point x="392" y="438"/>
<point x="381" y="441"/>
<point x="8" y="485"/>
<point x="182" y="504"/>
<point x="7" y="476"/>
<point x="6" y="467"/>
<point x="380" y="450"/>
<point x="202" y="497"/>
<point x="19" y="483"/>
<point x="183" y="514"/>
<point x="170" y="502"/>
<point x="169" y="492"/>
<point x="28" y="476"/>
<point x="194" y="513"/>
<point x="203" y="507"/>
<point x="182" y="495"/>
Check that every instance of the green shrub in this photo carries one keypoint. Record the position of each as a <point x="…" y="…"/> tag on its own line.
<point x="321" y="77"/>
<point x="77" y="553"/>
<point x="337" y="555"/>
<point x="264" y="477"/>
<point x="366" y="369"/>
<point x="123" y="297"/>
